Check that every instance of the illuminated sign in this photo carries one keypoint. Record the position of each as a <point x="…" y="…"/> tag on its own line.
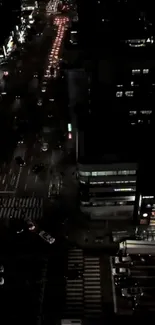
<point x="9" y="45"/>
<point x="69" y="127"/>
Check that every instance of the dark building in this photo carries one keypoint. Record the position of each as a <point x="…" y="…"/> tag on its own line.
<point x="9" y="17"/>
<point x="118" y="38"/>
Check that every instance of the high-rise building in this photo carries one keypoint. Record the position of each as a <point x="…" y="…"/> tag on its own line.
<point x="118" y="121"/>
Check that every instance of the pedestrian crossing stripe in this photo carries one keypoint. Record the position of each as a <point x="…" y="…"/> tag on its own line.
<point x="21" y="208"/>
<point x="83" y="295"/>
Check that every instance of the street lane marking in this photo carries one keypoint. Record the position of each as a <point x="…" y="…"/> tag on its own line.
<point x="25" y="187"/>
<point x="4" y="178"/>
<point x="29" y="171"/>
<point x="18" y="178"/>
<point x="36" y="178"/>
<point x="13" y="178"/>
<point x="113" y="287"/>
<point x="6" y="186"/>
<point x="10" y="171"/>
<point x="8" y="192"/>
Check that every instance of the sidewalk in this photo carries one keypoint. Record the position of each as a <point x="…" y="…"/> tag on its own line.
<point x="86" y="239"/>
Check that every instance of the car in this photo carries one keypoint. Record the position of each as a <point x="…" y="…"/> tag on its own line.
<point x="50" y="115"/>
<point x="120" y="274"/>
<point x="30" y="225"/>
<point x="1" y="268"/>
<point x="44" y="146"/>
<point x="74" y="274"/>
<point x="21" y="140"/>
<point x="17" y="226"/>
<point x="35" y="75"/>
<point x="38" y="168"/>
<point x="121" y="271"/>
<point x="122" y="259"/>
<point x="43" y="89"/>
<point x="1" y="281"/>
<point x="39" y="102"/>
<point x="99" y="240"/>
<point x="44" y="235"/>
<point x="17" y="97"/>
<point x="132" y="292"/>
<point x="20" y="161"/>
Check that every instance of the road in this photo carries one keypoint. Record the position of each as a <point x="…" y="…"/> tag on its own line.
<point x="22" y="181"/>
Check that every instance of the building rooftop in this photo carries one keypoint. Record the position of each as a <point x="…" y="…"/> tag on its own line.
<point x="107" y="142"/>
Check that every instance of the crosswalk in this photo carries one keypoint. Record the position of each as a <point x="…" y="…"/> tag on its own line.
<point x="92" y="287"/>
<point x="74" y="288"/>
<point x="21" y="208"/>
<point x="83" y="294"/>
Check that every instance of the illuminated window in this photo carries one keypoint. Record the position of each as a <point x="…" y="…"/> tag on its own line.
<point x="132" y="112"/>
<point x="124" y="189"/>
<point x="94" y="173"/>
<point x="126" y="172"/>
<point x="135" y="71"/>
<point x="108" y="173"/>
<point x="146" y="112"/>
<point x="129" y="93"/>
<point x="132" y="83"/>
<point x="84" y="173"/>
<point x="145" y="71"/>
<point x="119" y="93"/>
<point x="119" y="86"/>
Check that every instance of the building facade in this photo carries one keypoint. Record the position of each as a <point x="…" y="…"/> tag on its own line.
<point x="108" y="191"/>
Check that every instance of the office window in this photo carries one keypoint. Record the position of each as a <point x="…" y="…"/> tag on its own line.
<point x="84" y="173"/>
<point x="119" y="93"/>
<point x="126" y="172"/>
<point x="110" y="173"/>
<point x="146" y="112"/>
<point x="132" y="112"/>
<point x="124" y="189"/>
<point x="99" y="174"/>
<point x="135" y="71"/>
<point x="145" y="71"/>
<point x="129" y="93"/>
<point x="94" y="173"/>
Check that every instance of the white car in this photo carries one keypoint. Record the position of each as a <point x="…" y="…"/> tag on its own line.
<point x="44" y="146"/>
<point x="123" y="259"/>
<point x="1" y="281"/>
<point x="21" y="140"/>
<point x="43" y="89"/>
<point x="1" y="269"/>
<point x="30" y="225"/>
<point x="121" y="271"/>
<point x="44" y="235"/>
<point x="40" y="102"/>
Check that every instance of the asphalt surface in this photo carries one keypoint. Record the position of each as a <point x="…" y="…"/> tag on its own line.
<point x="21" y="180"/>
<point x="33" y="279"/>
